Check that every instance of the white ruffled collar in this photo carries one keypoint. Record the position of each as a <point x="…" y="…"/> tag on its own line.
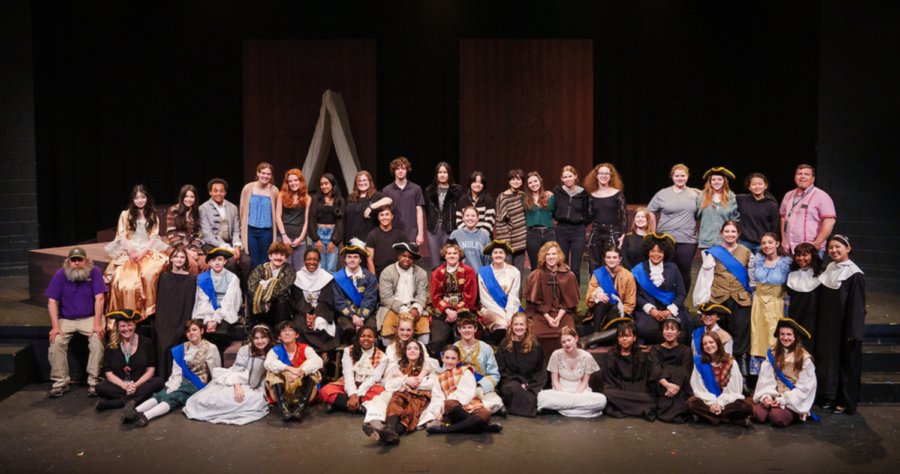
<point x="312" y="281"/>
<point x="802" y="281"/>
<point x="836" y="273"/>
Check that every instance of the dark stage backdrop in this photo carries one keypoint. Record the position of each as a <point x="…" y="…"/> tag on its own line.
<point x="129" y="92"/>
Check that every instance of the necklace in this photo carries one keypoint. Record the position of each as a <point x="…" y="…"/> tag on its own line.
<point x="128" y="357"/>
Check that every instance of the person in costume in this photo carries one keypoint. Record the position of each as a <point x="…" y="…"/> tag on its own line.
<point x="403" y="287"/>
<point x="671" y="365"/>
<point x="180" y="289"/>
<point x="786" y="388"/>
<point x="510" y="224"/>
<point x="570" y="370"/>
<point x="363" y="367"/>
<point x="220" y="227"/>
<point x="410" y="395"/>
<point x="218" y="298"/>
<point x="608" y="212"/>
<point x="472" y="239"/>
<point x="641" y="225"/>
<point x="454" y="290"/>
<point x="660" y="290"/>
<point x="498" y="288"/>
<point x="804" y="290"/>
<point x="480" y="356"/>
<point x="312" y="304"/>
<point x="841" y="328"/>
<point x="326" y="221"/>
<point x="718" y="386"/>
<point x="715" y="206"/>
<point x="710" y="314"/>
<point x="441" y="198"/>
<point x="477" y="197"/>
<point x="292" y="216"/>
<point x="611" y="295"/>
<point x="771" y="267"/>
<point x="677" y="209"/>
<point x="258" y="200"/>
<point x="355" y="292"/>
<point x="551" y="297"/>
<point x="183" y="230"/>
<point x="136" y="257"/>
<point x="293" y="373"/>
<point x="624" y="377"/>
<point x="522" y="372"/>
<point x="727" y="278"/>
<point x="454" y="404"/>
<point x="270" y="287"/>
<point x="572" y="214"/>
<point x="236" y="395"/>
<point x="128" y="364"/>
<point x="192" y="367"/>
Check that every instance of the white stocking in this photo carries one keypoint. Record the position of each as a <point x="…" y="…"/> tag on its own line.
<point x="159" y="410"/>
<point x="147" y="405"/>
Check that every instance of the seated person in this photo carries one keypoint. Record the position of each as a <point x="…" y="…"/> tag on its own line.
<point x="671" y="365"/>
<point x="454" y="289"/>
<point x="718" y="386"/>
<point x="610" y="295"/>
<point x="410" y="395"/>
<point x="660" y="290"/>
<point x="218" y="299"/>
<point x="179" y="290"/>
<point x="522" y="373"/>
<point x="454" y="404"/>
<point x="355" y="293"/>
<point x="192" y="367"/>
<point x="270" y="287"/>
<point x="363" y="367"/>
<point x="551" y="297"/>
<point x="236" y="395"/>
<point x="786" y="388"/>
<point x="710" y="314"/>
<point x="293" y="373"/>
<point x="183" y="230"/>
<point x="129" y="364"/>
<point x="571" y="369"/>
<point x="403" y="287"/>
<point x="480" y="356"/>
<point x="499" y="286"/>
<point x="220" y="227"/>
<point x="381" y="240"/>
<point x="312" y="304"/>
<point x="625" y="377"/>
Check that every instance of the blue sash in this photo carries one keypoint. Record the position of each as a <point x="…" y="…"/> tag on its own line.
<point x="736" y="268"/>
<point x="204" y="281"/>
<point x="604" y="279"/>
<point x="282" y="354"/>
<point x="478" y="376"/>
<point x="178" y="354"/>
<point x="698" y="337"/>
<point x="785" y="380"/>
<point x="493" y="286"/>
<point x="709" y="379"/>
<point x="642" y="279"/>
<point x="346" y="284"/>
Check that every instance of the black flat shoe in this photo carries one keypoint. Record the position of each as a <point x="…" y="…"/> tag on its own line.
<point x="129" y="414"/>
<point x="493" y="428"/>
<point x="329" y="408"/>
<point x="839" y="410"/>
<point x="503" y="412"/>
<point x="141" y="421"/>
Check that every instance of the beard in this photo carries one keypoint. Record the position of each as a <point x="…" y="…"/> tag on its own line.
<point x="78" y="274"/>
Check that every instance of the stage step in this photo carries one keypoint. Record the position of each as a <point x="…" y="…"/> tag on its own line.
<point x="880" y="358"/>
<point x="880" y="388"/>
<point x="16" y="368"/>
<point x="884" y="334"/>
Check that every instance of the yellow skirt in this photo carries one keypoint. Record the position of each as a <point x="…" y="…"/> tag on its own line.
<point x="133" y="285"/>
<point x="767" y="309"/>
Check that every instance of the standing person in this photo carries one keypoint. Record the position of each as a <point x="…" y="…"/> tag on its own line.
<point x="293" y="373"/>
<point x="625" y="376"/>
<point x="807" y="213"/>
<point x="127" y="365"/>
<point x="183" y="229"/>
<point x="841" y="328"/>
<point x="180" y="290"/>
<point x="551" y="297"/>
<point x="292" y="215"/>
<point x="403" y="288"/>
<point x="472" y="239"/>
<point x="75" y="300"/>
<point x="270" y="287"/>
<point x="571" y="368"/>
<point x="355" y="293"/>
<point x="137" y="257"/>
<point x="660" y="291"/>
<point x="715" y="205"/>
<point x="539" y="207"/>
<point x="770" y="270"/>
<point x="380" y="242"/>
<point x="804" y="290"/>
<point x="717" y="386"/>
<point x="361" y="217"/>
<point x="671" y="365"/>
<point x="454" y="290"/>
<point x="363" y="367"/>
<point x="220" y="227"/>
<point x="758" y="210"/>
<point x="572" y="214"/>
<point x="522" y="374"/>
<point x="476" y="196"/>
<point x="787" y="380"/>
<point x="609" y="213"/>
<point x="409" y="202"/>
<point x="442" y="196"/>
<point x="677" y="207"/>
<point x="480" y="356"/>
<point x="454" y="403"/>
<point x="510" y="225"/>
<point x="326" y="221"/>
<point x="498" y="288"/>
<point x="218" y="299"/>
<point x="611" y="295"/>
<point x="312" y="305"/>
<point x="641" y="225"/>
<point x="258" y="214"/>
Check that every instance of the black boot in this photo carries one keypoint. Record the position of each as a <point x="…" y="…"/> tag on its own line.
<point x="305" y="393"/>
<point x="388" y="434"/>
<point x="745" y="372"/>
<point x="278" y="389"/>
<point x="340" y="403"/>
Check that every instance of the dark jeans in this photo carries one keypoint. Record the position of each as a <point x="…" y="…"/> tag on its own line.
<point x="683" y="258"/>
<point x="111" y="391"/>
<point x="602" y="237"/>
<point x="572" y="242"/>
<point x="258" y="245"/>
<point x="537" y="237"/>
<point x="737" y="324"/>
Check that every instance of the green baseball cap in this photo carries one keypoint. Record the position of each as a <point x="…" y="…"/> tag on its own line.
<point x="77" y="252"/>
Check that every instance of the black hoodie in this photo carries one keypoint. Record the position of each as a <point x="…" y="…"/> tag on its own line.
<point x="572" y="210"/>
<point x="757" y="217"/>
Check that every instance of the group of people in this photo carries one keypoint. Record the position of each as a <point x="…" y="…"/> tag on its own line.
<point x="457" y="344"/>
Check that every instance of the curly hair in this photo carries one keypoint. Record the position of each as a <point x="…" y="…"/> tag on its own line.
<point x="356" y="350"/>
<point x="402" y="161"/>
<point x="287" y="196"/>
<point x="815" y="261"/>
<point x="666" y="246"/>
<point x="266" y="333"/>
<point x="280" y="247"/>
<point x="215" y="181"/>
<point x="591" y="183"/>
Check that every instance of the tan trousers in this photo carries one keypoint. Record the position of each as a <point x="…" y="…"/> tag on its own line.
<point x="392" y="320"/>
<point x="59" y="351"/>
<point x="292" y="390"/>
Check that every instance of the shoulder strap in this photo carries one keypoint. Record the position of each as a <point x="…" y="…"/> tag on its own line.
<point x="732" y="264"/>
<point x="644" y="281"/>
<point x="204" y="281"/>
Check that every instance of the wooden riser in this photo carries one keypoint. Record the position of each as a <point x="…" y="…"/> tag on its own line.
<point x="43" y="264"/>
<point x="17" y="367"/>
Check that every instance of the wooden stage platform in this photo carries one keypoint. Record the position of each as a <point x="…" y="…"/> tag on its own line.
<point x="43" y="264"/>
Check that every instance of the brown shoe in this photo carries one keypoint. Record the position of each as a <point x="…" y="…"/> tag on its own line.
<point x="57" y="392"/>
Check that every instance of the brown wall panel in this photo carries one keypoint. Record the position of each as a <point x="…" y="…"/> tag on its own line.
<point x="525" y="104"/>
<point x="283" y="85"/>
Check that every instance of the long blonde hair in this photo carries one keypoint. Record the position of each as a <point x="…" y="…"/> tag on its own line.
<point x="708" y="192"/>
<point x="114" y="338"/>
<point x="527" y="340"/>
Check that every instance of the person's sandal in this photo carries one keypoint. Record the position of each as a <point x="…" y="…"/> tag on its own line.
<point x="57" y="392"/>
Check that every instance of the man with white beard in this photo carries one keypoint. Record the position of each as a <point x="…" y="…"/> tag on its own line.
<point x="76" y="295"/>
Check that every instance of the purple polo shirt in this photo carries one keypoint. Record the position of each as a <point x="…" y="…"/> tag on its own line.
<point x="405" y="202"/>
<point x="76" y="298"/>
<point x="803" y="214"/>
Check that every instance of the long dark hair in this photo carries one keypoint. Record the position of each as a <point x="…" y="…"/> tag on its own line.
<point x="626" y="327"/>
<point x="412" y="368"/>
<point x="815" y="261"/>
<point x="761" y="176"/>
<point x="267" y="333"/>
<point x="335" y="196"/>
<point x="187" y="260"/>
<point x="472" y="178"/>
<point x="182" y="212"/>
<point x="445" y="165"/>
<point x="149" y="209"/>
<point x="720" y="356"/>
<point x="356" y="350"/>
<point x="796" y="348"/>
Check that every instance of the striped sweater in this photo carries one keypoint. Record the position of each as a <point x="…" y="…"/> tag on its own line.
<point x="485" y="208"/>
<point x="510" y="225"/>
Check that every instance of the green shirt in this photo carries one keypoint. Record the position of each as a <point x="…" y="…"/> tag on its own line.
<point x="535" y="216"/>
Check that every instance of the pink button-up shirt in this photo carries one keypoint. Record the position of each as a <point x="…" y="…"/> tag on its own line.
<point x="803" y="213"/>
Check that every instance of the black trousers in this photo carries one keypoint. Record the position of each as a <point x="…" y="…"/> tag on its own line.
<point x="683" y="259"/>
<point x="442" y="333"/>
<point x="849" y="378"/>
<point x="220" y="338"/>
<point x="738" y="325"/>
<point x="111" y="391"/>
<point x="279" y="310"/>
<point x="348" y="329"/>
<point x="572" y="241"/>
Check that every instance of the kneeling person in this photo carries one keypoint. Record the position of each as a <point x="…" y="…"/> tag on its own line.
<point x="404" y="289"/>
